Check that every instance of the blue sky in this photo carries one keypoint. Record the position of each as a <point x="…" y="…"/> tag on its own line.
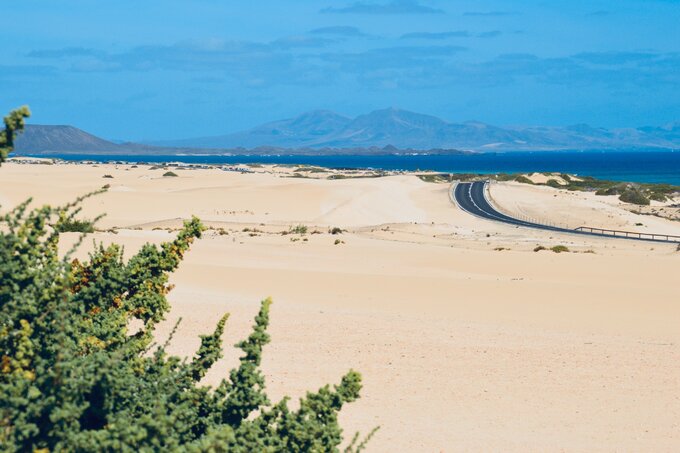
<point x="155" y="69"/>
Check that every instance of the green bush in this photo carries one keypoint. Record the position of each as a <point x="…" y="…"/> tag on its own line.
<point x="553" y="183"/>
<point x="74" y="376"/>
<point x="657" y="196"/>
<point x="436" y="177"/>
<point x="560" y="249"/>
<point x="14" y="123"/>
<point x="523" y="179"/>
<point x="634" y="196"/>
<point x="74" y="226"/>
<point x="539" y="248"/>
<point x="299" y="229"/>
<point x="170" y="173"/>
<point x="336" y="230"/>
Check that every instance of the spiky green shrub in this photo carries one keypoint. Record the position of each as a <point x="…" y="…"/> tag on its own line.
<point x="14" y="123"/>
<point x="79" y="369"/>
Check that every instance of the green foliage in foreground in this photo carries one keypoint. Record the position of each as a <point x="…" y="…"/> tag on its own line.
<point x="79" y="370"/>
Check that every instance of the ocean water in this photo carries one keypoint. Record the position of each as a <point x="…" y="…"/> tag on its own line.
<point x="633" y="166"/>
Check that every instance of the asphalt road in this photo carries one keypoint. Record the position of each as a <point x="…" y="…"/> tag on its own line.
<point x="469" y="196"/>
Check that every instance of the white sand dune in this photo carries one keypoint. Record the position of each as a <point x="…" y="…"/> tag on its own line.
<point x="462" y="347"/>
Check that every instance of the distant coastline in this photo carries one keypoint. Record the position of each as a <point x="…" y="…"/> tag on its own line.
<point x="629" y="165"/>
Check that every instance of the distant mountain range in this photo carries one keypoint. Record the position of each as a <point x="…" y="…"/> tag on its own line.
<point x="379" y="132"/>
<point x="405" y="129"/>
<point x="46" y="140"/>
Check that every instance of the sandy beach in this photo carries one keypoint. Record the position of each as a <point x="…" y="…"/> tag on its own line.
<point x="467" y="339"/>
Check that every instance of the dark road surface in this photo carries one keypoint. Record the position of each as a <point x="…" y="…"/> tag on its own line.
<point x="469" y="196"/>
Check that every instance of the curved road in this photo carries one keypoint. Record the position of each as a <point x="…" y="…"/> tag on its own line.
<point x="469" y="196"/>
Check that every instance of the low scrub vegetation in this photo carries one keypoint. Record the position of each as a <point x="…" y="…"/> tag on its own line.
<point x="311" y="169"/>
<point x="556" y="249"/>
<point x="299" y="229"/>
<point x="170" y="174"/>
<point x="634" y="196"/>
<point x="635" y="193"/>
<point x="523" y="179"/>
<point x="74" y="226"/>
<point x="436" y="177"/>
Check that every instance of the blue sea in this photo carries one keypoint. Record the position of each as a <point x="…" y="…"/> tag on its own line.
<point x="632" y="166"/>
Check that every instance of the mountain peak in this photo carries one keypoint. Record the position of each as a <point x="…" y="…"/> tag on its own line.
<point x="317" y="117"/>
<point x="46" y="138"/>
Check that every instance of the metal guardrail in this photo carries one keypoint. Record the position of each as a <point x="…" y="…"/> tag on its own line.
<point x="629" y="234"/>
<point x="536" y="223"/>
<point x="519" y="215"/>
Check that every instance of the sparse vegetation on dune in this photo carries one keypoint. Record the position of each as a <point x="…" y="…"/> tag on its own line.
<point x="523" y="179"/>
<point x="74" y="226"/>
<point x="373" y="174"/>
<point x="435" y="177"/>
<point x="555" y="249"/>
<point x="634" y="193"/>
<point x="311" y="169"/>
<point x="634" y="196"/>
<point x="299" y="229"/>
<point x="169" y="174"/>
